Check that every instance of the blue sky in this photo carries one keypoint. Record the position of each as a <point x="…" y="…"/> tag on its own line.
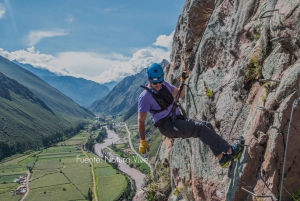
<point x="99" y="40"/>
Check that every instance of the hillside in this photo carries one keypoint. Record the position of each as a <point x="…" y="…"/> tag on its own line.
<point x="26" y="122"/>
<point x="123" y="95"/>
<point x="52" y="97"/>
<point x="110" y="84"/>
<point x="83" y="92"/>
<point x="246" y="53"/>
<point x="40" y="72"/>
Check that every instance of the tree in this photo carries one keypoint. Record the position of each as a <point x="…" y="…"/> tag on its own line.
<point x="101" y="136"/>
<point x="90" y="195"/>
<point x="89" y="145"/>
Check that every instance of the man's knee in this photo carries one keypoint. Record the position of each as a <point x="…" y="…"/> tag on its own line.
<point x="208" y="124"/>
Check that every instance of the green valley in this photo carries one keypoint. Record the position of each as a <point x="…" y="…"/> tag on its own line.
<point x="33" y="114"/>
<point x="63" y="172"/>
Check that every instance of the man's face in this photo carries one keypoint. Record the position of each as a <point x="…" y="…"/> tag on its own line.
<point x="156" y="86"/>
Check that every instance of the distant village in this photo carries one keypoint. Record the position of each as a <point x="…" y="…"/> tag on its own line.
<point x="22" y="189"/>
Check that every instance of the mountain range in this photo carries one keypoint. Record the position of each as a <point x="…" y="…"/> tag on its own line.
<point x="32" y="113"/>
<point x="24" y="118"/>
<point x="82" y="91"/>
<point x="124" y="95"/>
<point x="51" y="96"/>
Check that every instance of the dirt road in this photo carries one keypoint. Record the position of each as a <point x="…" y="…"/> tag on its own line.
<point x="27" y="186"/>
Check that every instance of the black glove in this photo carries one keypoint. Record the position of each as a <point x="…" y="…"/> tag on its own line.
<point x="184" y="75"/>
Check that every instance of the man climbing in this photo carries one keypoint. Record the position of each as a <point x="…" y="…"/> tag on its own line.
<point x="158" y="99"/>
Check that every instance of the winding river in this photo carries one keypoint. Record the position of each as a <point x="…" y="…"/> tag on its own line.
<point x="135" y="174"/>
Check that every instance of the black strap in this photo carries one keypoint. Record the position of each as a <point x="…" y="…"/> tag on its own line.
<point x="149" y="90"/>
<point x="164" y="99"/>
<point x="152" y="93"/>
<point x="163" y="106"/>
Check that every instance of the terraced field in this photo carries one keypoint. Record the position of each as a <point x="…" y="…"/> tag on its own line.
<point x="58" y="174"/>
<point x="10" y="169"/>
<point x="110" y="183"/>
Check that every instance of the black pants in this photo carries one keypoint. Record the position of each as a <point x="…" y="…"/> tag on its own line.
<point x="195" y="128"/>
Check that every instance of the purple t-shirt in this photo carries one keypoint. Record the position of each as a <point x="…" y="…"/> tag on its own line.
<point x="147" y="103"/>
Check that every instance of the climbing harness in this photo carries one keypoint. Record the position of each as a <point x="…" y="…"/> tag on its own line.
<point x="164" y="98"/>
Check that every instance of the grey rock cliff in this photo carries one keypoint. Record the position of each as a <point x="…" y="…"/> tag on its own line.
<point x="229" y="55"/>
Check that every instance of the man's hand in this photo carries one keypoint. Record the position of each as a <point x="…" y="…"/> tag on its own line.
<point x="185" y="75"/>
<point x="144" y="146"/>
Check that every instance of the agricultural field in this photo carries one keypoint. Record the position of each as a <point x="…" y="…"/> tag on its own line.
<point x="7" y="195"/>
<point x="78" y="139"/>
<point x="83" y="180"/>
<point x="55" y="192"/>
<point x="10" y="171"/>
<point x="11" y="165"/>
<point x="110" y="183"/>
<point x="59" y="174"/>
<point x="101" y="163"/>
<point x="56" y="174"/>
<point x="135" y="161"/>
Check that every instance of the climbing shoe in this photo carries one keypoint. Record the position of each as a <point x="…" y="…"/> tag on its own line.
<point x="225" y="160"/>
<point x="237" y="150"/>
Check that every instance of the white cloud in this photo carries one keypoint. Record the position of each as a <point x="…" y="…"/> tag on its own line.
<point x="70" y="19"/>
<point x="106" y="10"/>
<point x="86" y="64"/>
<point x="32" y="57"/>
<point x="89" y="65"/>
<point x="28" y="56"/>
<point x="34" y="37"/>
<point x="140" y="59"/>
<point x="165" y="41"/>
<point x="2" y="11"/>
<point x="78" y="64"/>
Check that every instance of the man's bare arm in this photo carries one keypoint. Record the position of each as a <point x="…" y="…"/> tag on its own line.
<point x="176" y="90"/>
<point x="141" y="124"/>
<point x="184" y="76"/>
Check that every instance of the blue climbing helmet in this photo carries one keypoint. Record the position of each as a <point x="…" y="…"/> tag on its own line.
<point x="155" y="73"/>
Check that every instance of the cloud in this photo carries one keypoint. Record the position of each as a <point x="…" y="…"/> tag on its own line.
<point x="78" y="64"/>
<point x="140" y="59"/>
<point x="86" y="64"/>
<point x="90" y="65"/>
<point x="70" y="19"/>
<point x="106" y="10"/>
<point x="29" y="56"/>
<point x="165" y="41"/>
<point x="2" y="11"/>
<point x="34" y="37"/>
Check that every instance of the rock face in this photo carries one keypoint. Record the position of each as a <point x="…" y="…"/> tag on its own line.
<point x="228" y="56"/>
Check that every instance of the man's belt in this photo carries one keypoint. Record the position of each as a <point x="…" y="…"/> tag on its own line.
<point x="162" y="121"/>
